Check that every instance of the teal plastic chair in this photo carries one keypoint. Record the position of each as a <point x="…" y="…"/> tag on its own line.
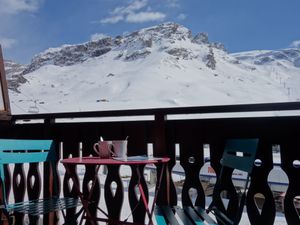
<point x="14" y="151"/>
<point x="238" y="154"/>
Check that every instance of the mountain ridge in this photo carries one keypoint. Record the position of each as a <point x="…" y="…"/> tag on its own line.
<point x="131" y="46"/>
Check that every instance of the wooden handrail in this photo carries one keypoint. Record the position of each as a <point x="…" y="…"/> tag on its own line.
<point x="281" y="106"/>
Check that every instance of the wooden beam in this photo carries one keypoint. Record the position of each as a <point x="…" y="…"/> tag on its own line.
<point x="4" y="113"/>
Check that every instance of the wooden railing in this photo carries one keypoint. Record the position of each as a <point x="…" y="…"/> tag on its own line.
<point x="168" y="129"/>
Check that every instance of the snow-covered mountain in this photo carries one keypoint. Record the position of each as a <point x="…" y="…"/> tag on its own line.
<point x="160" y="66"/>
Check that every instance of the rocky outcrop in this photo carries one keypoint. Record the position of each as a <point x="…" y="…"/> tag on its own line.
<point x="182" y="53"/>
<point x="210" y="59"/>
<point x="14" y="75"/>
<point x="218" y="45"/>
<point x="69" y="55"/>
<point x="137" y="55"/>
<point x="201" y="38"/>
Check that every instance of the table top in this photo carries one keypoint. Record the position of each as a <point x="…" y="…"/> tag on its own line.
<point x="113" y="161"/>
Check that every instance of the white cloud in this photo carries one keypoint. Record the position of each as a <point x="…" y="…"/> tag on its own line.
<point x="136" y="12"/>
<point x="112" y="19"/>
<point x="7" y="42"/>
<point x="295" y="44"/>
<point x="97" y="36"/>
<point x="134" y="6"/>
<point x="181" y="16"/>
<point x="16" y="6"/>
<point x="142" y="17"/>
<point x="173" y="3"/>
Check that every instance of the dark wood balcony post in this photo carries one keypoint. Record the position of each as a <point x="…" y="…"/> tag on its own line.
<point x="49" y="173"/>
<point x="160" y="134"/>
<point x="160" y="149"/>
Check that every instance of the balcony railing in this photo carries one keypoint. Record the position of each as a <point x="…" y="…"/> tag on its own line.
<point x="181" y="132"/>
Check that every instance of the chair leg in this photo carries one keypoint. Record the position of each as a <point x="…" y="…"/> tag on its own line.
<point x="11" y="220"/>
<point x="72" y="221"/>
<point x="6" y="216"/>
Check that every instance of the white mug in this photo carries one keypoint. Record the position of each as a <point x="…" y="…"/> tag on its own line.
<point x="104" y="149"/>
<point x="120" y="148"/>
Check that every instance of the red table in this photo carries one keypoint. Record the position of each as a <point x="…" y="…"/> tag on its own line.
<point x="137" y="161"/>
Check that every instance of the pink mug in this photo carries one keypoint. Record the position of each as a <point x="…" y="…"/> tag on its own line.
<point x="104" y="149"/>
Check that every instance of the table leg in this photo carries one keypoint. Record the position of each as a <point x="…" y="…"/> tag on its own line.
<point x="145" y="202"/>
<point x="148" y="211"/>
<point x="85" y="202"/>
<point x="164" y="168"/>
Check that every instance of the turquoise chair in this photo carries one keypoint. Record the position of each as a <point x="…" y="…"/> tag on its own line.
<point x="14" y="151"/>
<point x="238" y="154"/>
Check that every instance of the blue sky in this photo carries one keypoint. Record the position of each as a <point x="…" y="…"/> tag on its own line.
<point x="28" y="27"/>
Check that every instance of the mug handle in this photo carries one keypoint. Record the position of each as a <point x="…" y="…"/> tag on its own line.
<point x="96" y="149"/>
<point x="111" y="149"/>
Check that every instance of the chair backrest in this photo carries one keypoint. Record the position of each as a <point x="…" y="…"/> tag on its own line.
<point x="240" y="154"/>
<point x="14" y="151"/>
<point x="26" y="151"/>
